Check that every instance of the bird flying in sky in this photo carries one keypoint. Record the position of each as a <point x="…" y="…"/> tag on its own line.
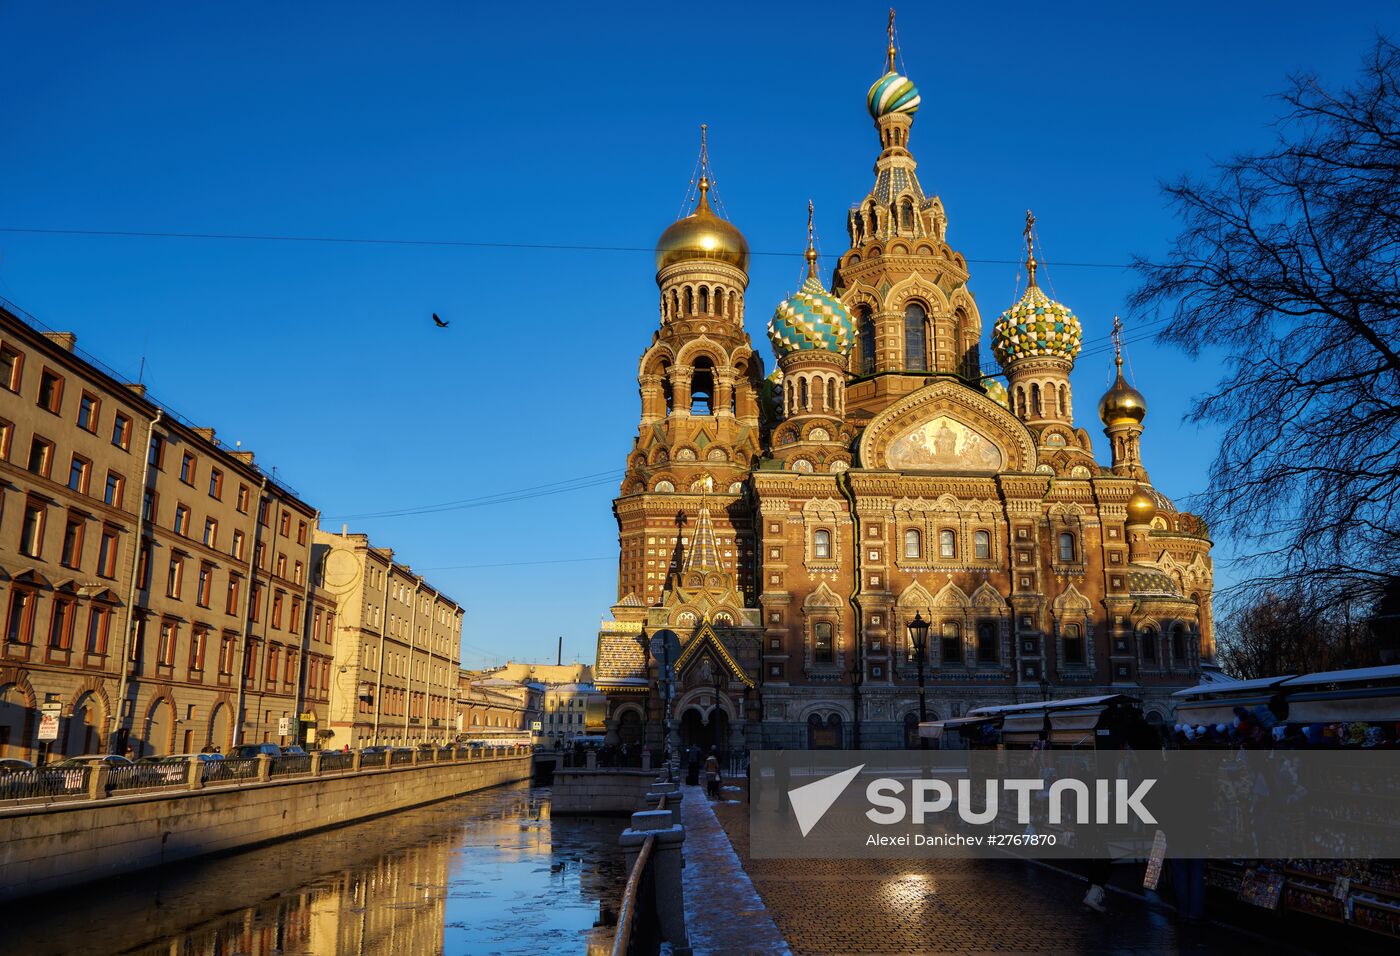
<point x="438" y="322"/>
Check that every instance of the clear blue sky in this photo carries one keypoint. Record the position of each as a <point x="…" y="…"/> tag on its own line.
<point x="571" y="124"/>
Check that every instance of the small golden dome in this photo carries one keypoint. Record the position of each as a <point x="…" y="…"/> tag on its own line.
<point x="1122" y="403"/>
<point x="1141" y="508"/>
<point x="702" y="235"/>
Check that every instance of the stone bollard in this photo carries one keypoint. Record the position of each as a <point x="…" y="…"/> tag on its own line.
<point x="437" y="755"/>
<point x="97" y="782"/>
<point x="416" y="753"/>
<point x="646" y="759"/>
<point x="355" y="762"/>
<point x="264" y="767"/>
<point x="388" y="758"/>
<point x="316" y="764"/>
<point x="590" y="760"/>
<point x="665" y="870"/>
<point x="194" y="774"/>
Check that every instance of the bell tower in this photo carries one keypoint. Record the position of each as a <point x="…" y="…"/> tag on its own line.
<point x="1122" y="410"/>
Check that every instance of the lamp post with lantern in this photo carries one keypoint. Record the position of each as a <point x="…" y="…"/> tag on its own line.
<point x="918" y="636"/>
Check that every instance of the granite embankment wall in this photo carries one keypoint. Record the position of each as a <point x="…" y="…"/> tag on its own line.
<point x="601" y="791"/>
<point x="61" y="845"/>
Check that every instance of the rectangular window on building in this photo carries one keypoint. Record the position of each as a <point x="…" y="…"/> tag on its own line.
<point x="175" y="577"/>
<point x="250" y="662"/>
<point x="289" y="672"/>
<point x="112" y="493"/>
<point x="270" y="675"/>
<point x="243" y="499"/>
<point x="19" y="626"/>
<point x="51" y="391"/>
<point x="138" y="646"/>
<point x="286" y="524"/>
<point x="281" y="565"/>
<point x="301" y="532"/>
<point x="211" y="533"/>
<point x="823" y="644"/>
<point x="99" y="630"/>
<point x="78" y="472"/>
<point x="11" y="368"/>
<point x="199" y="639"/>
<point x="71" y="555"/>
<point x="165" y="650"/>
<point x="952" y="643"/>
<point x="143" y="566"/>
<point x="234" y="586"/>
<point x="156" y="455"/>
<point x="87" y="412"/>
<point x="7" y="434"/>
<point x="255" y="605"/>
<point x="107" y="554"/>
<point x="277" y="609"/>
<point x="40" y="456"/>
<point x="226" y="650"/>
<point x="298" y="570"/>
<point x="182" y="520"/>
<point x="206" y="585"/>
<point x="1074" y="644"/>
<point x="121" y="432"/>
<point x="31" y="531"/>
<point x="216" y="483"/>
<point x="149" y="501"/>
<point x="187" y="468"/>
<point x="61" y="624"/>
<point x="237" y="549"/>
<point x="294" y="619"/>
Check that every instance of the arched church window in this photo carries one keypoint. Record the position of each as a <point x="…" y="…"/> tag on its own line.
<point x="689" y="301"/>
<point x="865" y="332"/>
<point x="702" y="388"/>
<point x="831" y="394"/>
<point x="704" y="299"/>
<point x="915" y="338"/>
<point x="1064" y="402"/>
<point x="1020" y="401"/>
<point x="947" y="544"/>
<point x="1178" y="645"/>
<point x="913" y="544"/>
<point x="906" y="215"/>
<point x="987" y="643"/>
<point x="823" y="643"/>
<point x="789" y="398"/>
<point x="952" y="643"/>
<point x="1035" y="400"/>
<point x="981" y="544"/>
<point x="803" y="399"/>
<point x="1073" y="643"/>
<point x="666" y="387"/>
<point x="821" y="543"/>
<point x="1066" y="547"/>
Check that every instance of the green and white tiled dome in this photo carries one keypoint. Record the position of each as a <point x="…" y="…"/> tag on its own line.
<point x="892" y="93"/>
<point x="811" y="320"/>
<point x="996" y="391"/>
<point x="1036" y="326"/>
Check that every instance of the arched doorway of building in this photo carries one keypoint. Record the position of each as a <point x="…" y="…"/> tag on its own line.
<point x="160" y="724"/>
<point x="221" y="728"/>
<point x="695" y="731"/>
<point x="629" y="728"/>
<point x="824" y="734"/>
<point x="14" y="721"/>
<point x="84" y="734"/>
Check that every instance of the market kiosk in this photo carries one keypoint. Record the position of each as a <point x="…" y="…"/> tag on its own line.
<point x="1073" y="723"/>
<point x="1356" y="710"/>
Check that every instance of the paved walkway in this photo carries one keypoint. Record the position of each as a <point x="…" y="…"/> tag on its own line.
<point x="723" y="913"/>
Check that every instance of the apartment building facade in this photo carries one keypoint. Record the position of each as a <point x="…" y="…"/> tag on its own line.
<point x="394" y="678"/>
<point x="155" y="584"/>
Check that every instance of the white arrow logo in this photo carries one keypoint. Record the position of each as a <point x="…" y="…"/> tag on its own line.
<point x="811" y="801"/>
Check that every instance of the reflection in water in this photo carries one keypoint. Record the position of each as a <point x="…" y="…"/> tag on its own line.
<point x="486" y="873"/>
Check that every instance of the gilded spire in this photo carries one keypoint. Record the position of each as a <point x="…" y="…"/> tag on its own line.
<point x="890" y="53"/>
<point x="811" y="253"/>
<point x="1030" y="246"/>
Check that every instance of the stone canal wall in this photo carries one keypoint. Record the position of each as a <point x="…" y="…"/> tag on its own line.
<point x="62" y="845"/>
<point x="601" y="791"/>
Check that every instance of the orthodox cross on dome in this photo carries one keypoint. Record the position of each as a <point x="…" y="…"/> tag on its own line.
<point x="811" y="253"/>
<point x="704" y="160"/>
<point x="1030" y="246"/>
<point x="890" y="53"/>
<point x="1117" y="336"/>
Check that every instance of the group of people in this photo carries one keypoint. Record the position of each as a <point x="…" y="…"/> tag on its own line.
<point x="709" y="765"/>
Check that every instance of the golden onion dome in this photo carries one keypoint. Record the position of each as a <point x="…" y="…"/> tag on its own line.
<point x="1141" y="508"/>
<point x="702" y="235"/>
<point x="1122" y="403"/>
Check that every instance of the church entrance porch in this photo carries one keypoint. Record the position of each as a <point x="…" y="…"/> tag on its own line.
<point x="699" y="732"/>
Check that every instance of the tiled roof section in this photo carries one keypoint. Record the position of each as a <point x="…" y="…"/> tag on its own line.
<point x="1147" y="580"/>
<point x="704" y="553"/>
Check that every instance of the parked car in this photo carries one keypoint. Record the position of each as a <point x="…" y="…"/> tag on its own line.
<point x="245" y="751"/>
<point x="11" y="764"/>
<point x="174" y="768"/>
<point x="295" y="750"/>
<point x="90" y="760"/>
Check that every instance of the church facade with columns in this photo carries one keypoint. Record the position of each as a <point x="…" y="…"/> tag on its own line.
<point x="779" y="532"/>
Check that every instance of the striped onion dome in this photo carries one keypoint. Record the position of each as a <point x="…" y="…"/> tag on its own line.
<point x="1036" y="326"/>
<point x="892" y="93"/>
<point x="811" y="320"/>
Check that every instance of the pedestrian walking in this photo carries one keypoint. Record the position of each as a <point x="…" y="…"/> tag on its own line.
<point x="712" y="774"/>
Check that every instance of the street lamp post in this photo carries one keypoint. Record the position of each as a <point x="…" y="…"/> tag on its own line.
<point x="918" y="635"/>
<point x="1044" y="690"/>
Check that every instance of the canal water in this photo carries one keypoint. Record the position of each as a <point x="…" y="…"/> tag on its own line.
<point x="491" y="872"/>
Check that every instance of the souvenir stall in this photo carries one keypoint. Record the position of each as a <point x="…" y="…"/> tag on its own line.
<point x="1350" y="710"/>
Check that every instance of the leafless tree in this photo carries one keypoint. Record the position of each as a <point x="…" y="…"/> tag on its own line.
<point x="1289" y="262"/>
<point x="1288" y="634"/>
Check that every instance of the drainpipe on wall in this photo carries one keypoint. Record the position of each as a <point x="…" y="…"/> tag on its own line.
<point x="119" y="720"/>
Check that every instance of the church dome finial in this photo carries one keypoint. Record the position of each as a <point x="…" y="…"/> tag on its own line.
<point x="892" y="93"/>
<point x="811" y="320"/>
<point x="1122" y="402"/>
<point x="702" y="234"/>
<point x="1036" y="325"/>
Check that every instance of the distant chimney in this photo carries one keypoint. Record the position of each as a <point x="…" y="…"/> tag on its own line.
<point x="206" y="433"/>
<point x="344" y="530"/>
<point x="139" y="390"/>
<point x="64" y="340"/>
<point x="244" y="456"/>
